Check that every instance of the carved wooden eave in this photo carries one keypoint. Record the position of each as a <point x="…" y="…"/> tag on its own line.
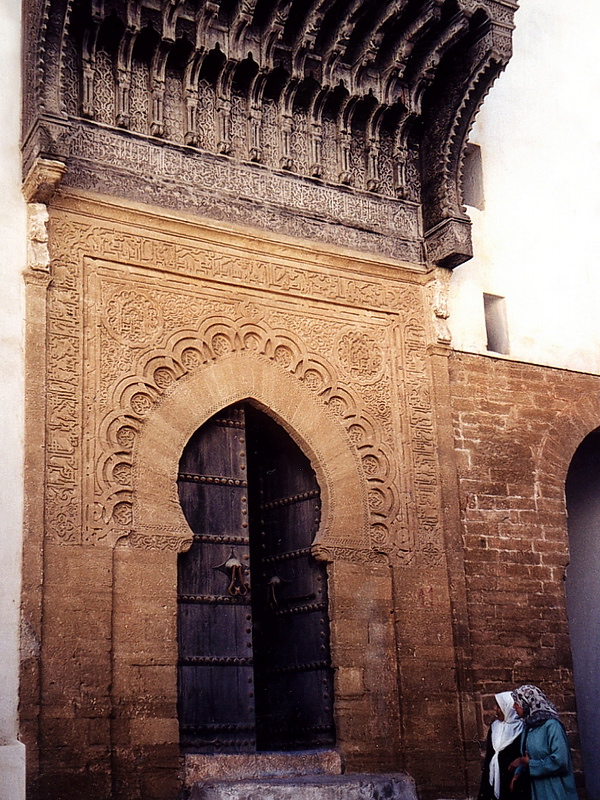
<point x="370" y="98"/>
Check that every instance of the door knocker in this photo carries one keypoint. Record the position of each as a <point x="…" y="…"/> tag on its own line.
<point x="234" y="569"/>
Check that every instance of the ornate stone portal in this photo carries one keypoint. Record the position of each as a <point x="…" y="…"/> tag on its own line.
<point x="341" y="129"/>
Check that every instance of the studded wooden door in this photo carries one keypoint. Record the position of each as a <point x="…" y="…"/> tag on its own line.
<point x="254" y="666"/>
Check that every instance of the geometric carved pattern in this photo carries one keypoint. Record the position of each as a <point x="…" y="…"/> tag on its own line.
<point x="143" y="340"/>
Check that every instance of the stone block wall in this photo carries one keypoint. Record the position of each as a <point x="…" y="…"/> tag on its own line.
<point x="516" y="428"/>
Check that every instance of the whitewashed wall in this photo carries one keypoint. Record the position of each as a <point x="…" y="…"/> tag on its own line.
<point x="537" y="242"/>
<point x="12" y="262"/>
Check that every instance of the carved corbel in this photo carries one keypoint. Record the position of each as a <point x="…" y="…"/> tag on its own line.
<point x="97" y="10"/>
<point x="242" y="19"/>
<point x="42" y="180"/>
<point x="448" y="243"/>
<point x="452" y="104"/>
<point x="274" y="32"/>
<point x="170" y="10"/>
<point x="204" y="17"/>
<point x="398" y="56"/>
<point x="134" y="14"/>
<point x="423" y="76"/>
<point x="303" y="45"/>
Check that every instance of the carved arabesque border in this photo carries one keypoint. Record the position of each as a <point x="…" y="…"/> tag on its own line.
<point x="405" y="508"/>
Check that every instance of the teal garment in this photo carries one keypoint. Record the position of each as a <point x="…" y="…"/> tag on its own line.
<point x="550" y="764"/>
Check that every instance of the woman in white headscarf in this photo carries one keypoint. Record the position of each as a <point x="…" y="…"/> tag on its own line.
<point x="503" y="746"/>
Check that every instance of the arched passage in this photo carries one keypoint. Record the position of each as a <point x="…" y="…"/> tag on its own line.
<point x="583" y="598"/>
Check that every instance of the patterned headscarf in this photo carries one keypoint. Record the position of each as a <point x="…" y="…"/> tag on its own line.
<point x="536" y="706"/>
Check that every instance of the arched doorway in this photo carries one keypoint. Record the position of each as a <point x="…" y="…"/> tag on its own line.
<point x="254" y="662"/>
<point x="583" y="598"/>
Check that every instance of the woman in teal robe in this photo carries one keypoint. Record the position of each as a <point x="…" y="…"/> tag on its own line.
<point x="544" y="746"/>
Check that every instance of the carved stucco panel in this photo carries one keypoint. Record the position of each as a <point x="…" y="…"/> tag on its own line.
<point x="145" y="340"/>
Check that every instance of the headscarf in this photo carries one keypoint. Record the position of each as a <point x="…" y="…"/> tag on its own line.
<point x="503" y="733"/>
<point x="536" y="706"/>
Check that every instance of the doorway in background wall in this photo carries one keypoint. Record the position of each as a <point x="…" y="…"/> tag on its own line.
<point x="583" y="598"/>
<point x="254" y="668"/>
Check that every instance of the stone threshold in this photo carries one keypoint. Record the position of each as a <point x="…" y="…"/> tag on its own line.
<point x="202" y="768"/>
<point x="396" y="786"/>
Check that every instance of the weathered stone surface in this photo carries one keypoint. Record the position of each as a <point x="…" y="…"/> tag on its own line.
<point x="205" y="768"/>
<point x="343" y="787"/>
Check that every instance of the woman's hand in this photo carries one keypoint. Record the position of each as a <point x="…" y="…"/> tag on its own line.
<point x="522" y="761"/>
<point x="516" y="767"/>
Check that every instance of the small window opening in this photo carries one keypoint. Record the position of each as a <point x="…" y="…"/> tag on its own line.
<point x="495" y="323"/>
<point x="472" y="183"/>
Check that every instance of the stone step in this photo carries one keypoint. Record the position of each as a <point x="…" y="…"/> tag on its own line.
<point x="397" y="786"/>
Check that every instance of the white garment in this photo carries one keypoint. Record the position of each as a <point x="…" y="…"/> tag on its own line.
<point x="503" y="733"/>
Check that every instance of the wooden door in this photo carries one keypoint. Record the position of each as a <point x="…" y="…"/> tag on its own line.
<point x="289" y="594"/>
<point x="254" y="666"/>
<point x="216" y="692"/>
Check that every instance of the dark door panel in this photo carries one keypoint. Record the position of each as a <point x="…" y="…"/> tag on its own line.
<point x="254" y="666"/>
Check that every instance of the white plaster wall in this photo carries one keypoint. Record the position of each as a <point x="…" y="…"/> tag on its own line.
<point x="537" y="242"/>
<point x="12" y="262"/>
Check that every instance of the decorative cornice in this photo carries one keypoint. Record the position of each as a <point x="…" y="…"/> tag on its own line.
<point x="381" y="102"/>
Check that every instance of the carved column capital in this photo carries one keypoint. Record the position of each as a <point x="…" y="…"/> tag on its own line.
<point x="38" y="254"/>
<point x="439" y="290"/>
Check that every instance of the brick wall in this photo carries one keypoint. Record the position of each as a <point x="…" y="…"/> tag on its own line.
<point x="516" y="427"/>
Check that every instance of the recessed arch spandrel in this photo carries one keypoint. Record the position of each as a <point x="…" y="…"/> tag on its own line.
<point x="153" y="410"/>
<point x="157" y="452"/>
